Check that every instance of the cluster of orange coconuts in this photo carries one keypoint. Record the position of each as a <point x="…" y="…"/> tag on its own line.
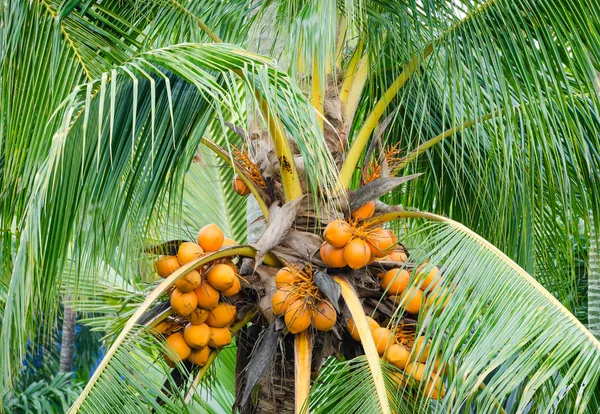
<point x="413" y="298"/>
<point x="400" y="349"/>
<point x="197" y="297"/>
<point x="351" y="243"/>
<point x="299" y="299"/>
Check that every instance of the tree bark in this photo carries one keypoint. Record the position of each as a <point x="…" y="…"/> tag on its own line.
<point x="593" y="280"/>
<point x="67" y="349"/>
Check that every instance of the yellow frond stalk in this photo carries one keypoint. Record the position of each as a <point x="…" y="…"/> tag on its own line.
<point x="358" y="85"/>
<point x="372" y="120"/>
<point x="360" y="319"/>
<point x="302" y="360"/>
<point x="316" y="95"/>
<point x="350" y="73"/>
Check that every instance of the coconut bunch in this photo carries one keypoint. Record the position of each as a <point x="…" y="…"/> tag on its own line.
<point x="355" y="243"/>
<point x="399" y="346"/>
<point x="197" y="298"/>
<point x="300" y="301"/>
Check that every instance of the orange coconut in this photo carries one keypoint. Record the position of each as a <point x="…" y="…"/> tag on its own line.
<point x="297" y="317"/>
<point x="397" y="255"/>
<point x="196" y="336"/>
<point x="165" y="265"/>
<point x="397" y="355"/>
<point x="210" y="238"/>
<point x="285" y="277"/>
<point x="199" y="356"/>
<point x="438" y="298"/>
<point x="163" y="326"/>
<point x="435" y="389"/>
<point x="392" y="235"/>
<point x="337" y="233"/>
<point x="188" y="282"/>
<point x="420" y="350"/>
<point x="227" y="242"/>
<point x="365" y="211"/>
<point x="379" y="242"/>
<point x="229" y="263"/>
<point x="208" y="296"/>
<point x="332" y="256"/>
<point x="221" y="316"/>
<point x="239" y="186"/>
<point x="281" y="300"/>
<point x="189" y="251"/>
<point x="357" y="254"/>
<point x="198" y="316"/>
<point x="177" y="348"/>
<point x="383" y="338"/>
<point x="351" y="326"/>
<point x="233" y="290"/>
<point x="395" y="281"/>
<point x="221" y="277"/>
<point x="428" y="276"/>
<point x="411" y="299"/>
<point x="415" y="370"/>
<point x="219" y="337"/>
<point x="183" y="303"/>
<point x="324" y="316"/>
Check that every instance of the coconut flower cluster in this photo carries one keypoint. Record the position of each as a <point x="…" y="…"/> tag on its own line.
<point x="300" y="301"/>
<point x="197" y="298"/>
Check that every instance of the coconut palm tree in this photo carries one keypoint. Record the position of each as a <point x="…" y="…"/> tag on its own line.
<point x="467" y="129"/>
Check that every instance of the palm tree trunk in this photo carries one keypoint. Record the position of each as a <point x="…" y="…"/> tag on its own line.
<point x="593" y="280"/>
<point x="67" y="349"/>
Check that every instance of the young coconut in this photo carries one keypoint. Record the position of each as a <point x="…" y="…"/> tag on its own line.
<point x="383" y="338"/>
<point x="177" y="348"/>
<point x="163" y="326"/>
<point x="188" y="251"/>
<point x="188" y="282"/>
<point x="411" y="299"/>
<point x="207" y="296"/>
<point x="198" y="316"/>
<point x="282" y="298"/>
<point x="165" y="265"/>
<point x="351" y="326"/>
<point x="210" y="238"/>
<point x="427" y="276"/>
<point x="379" y="242"/>
<point x="285" y="277"/>
<point x="221" y="316"/>
<point x="324" y="317"/>
<point x="365" y="211"/>
<point x="183" y="303"/>
<point x="297" y="317"/>
<point x="235" y="289"/>
<point x="357" y="254"/>
<point x="199" y="356"/>
<point x="397" y="355"/>
<point x="219" y="337"/>
<point x="332" y="256"/>
<point x="196" y="336"/>
<point x="337" y="233"/>
<point x="394" y="281"/>
<point x="239" y="186"/>
<point x="221" y="277"/>
<point x="435" y="389"/>
<point x="420" y="350"/>
<point x="228" y="242"/>
<point x="415" y="370"/>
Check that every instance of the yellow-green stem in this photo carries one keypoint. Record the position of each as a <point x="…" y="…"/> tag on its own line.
<point x="249" y="183"/>
<point x="359" y="143"/>
<point x="350" y="73"/>
<point x="358" y="84"/>
<point x="316" y="97"/>
<point x="302" y="361"/>
<point x="341" y="39"/>
<point x="360" y="320"/>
